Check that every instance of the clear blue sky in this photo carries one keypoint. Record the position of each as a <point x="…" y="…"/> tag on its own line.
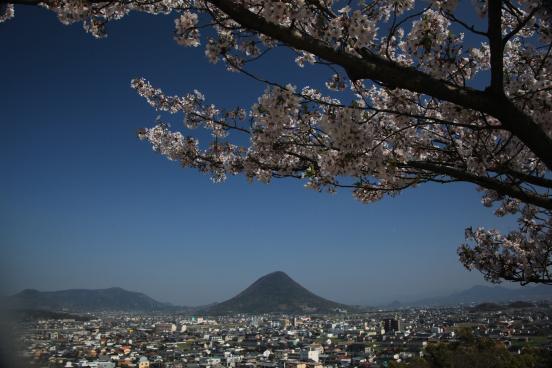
<point x="84" y="204"/>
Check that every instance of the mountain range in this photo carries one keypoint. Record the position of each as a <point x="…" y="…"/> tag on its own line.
<point x="484" y="294"/>
<point x="81" y="300"/>
<point x="272" y="293"/>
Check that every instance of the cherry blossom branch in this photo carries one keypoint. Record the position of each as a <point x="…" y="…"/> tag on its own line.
<point x="485" y="182"/>
<point x="470" y="28"/>
<point x="522" y="23"/>
<point x="376" y="68"/>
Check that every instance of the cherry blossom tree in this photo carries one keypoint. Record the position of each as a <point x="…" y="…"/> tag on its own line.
<point x="402" y="105"/>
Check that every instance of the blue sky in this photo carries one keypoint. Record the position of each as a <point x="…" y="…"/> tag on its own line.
<point x="84" y="204"/>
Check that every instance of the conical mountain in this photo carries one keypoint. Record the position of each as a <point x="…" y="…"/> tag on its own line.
<point x="275" y="293"/>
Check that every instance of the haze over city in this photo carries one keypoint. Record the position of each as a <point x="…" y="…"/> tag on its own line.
<point x="85" y="204"/>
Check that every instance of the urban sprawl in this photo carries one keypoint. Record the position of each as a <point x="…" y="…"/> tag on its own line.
<point x="109" y="340"/>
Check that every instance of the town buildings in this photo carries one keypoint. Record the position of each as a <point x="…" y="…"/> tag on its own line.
<point x="172" y="340"/>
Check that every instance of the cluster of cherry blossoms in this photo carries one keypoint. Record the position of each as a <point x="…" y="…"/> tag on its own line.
<point x="186" y="33"/>
<point x="7" y="11"/>
<point x="522" y="255"/>
<point x="377" y="133"/>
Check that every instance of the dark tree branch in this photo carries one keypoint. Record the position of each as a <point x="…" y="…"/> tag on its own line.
<point x="485" y="182"/>
<point x="518" y="28"/>
<point x="495" y="40"/>
<point x="472" y="29"/>
<point x="531" y="179"/>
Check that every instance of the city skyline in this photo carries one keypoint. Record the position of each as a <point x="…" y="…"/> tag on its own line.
<point x="87" y="205"/>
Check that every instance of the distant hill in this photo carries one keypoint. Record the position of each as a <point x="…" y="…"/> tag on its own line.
<point x="78" y="300"/>
<point x="521" y="304"/>
<point x="36" y="314"/>
<point x="275" y="293"/>
<point x="491" y="307"/>
<point x="487" y="307"/>
<point x="489" y="294"/>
